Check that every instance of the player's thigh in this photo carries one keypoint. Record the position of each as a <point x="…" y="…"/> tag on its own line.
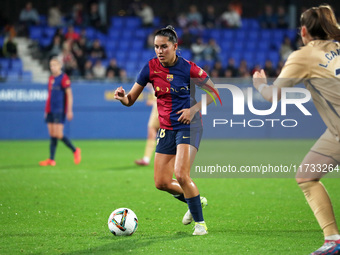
<point x="314" y="166"/>
<point x="59" y="130"/>
<point x="185" y="157"/>
<point x="163" y="167"/>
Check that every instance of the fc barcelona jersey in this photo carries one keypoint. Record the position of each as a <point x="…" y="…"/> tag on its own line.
<point x="172" y="89"/>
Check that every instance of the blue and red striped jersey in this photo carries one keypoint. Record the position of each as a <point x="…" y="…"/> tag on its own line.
<point x="56" y="100"/>
<point x="172" y="89"/>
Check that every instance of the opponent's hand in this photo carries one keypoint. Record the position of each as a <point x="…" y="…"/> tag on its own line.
<point x="259" y="78"/>
<point x="69" y="115"/>
<point x="185" y="117"/>
<point x="119" y="93"/>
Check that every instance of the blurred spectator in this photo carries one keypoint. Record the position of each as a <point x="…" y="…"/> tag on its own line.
<point x="228" y="73"/>
<point x="55" y="18"/>
<point x="282" y="17"/>
<point x="268" y="19"/>
<point x="243" y="70"/>
<point x="123" y="75"/>
<point x="55" y="48"/>
<point x="81" y="44"/>
<point x="81" y="60"/>
<point x="197" y="49"/>
<point x="95" y="20"/>
<point x="69" y="63"/>
<point x="146" y="14"/>
<point x="88" y="73"/>
<point x="9" y="49"/>
<point x="211" y="51"/>
<point x="194" y="17"/>
<point x="97" y="51"/>
<point x="214" y="74"/>
<point x="186" y="39"/>
<point x="269" y="69"/>
<point x="219" y="68"/>
<point x="182" y="20"/>
<point x="98" y="70"/>
<point x="110" y="75"/>
<point x="71" y="34"/>
<point x="113" y="67"/>
<point x="279" y="67"/>
<point x="209" y="18"/>
<point x="257" y="67"/>
<point x="232" y="67"/>
<point x="231" y="18"/>
<point x="286" y="48"/>
<point x="28" y="17"/>
<point x="77" y="17"/>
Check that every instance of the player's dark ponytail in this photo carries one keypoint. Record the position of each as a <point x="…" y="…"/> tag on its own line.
<point x="321" y="23"/>
<point x="169" y="32"/>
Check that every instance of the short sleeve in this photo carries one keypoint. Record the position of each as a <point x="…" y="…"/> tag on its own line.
<point x="296" y="68"/>
<point x="144" y="75"/>
<point x="65" y="82"/>
<point x="197" y="73"/>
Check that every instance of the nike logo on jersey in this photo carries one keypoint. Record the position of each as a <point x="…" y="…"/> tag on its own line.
<point x="157" y="72"/>
<point x="186" y="137"/>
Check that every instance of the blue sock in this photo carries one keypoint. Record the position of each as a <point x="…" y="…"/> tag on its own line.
<point x="68" y="143"/>
<point x="195" y="207"/>
<point x="53" y="147"/>
<point x="180" y="197"/>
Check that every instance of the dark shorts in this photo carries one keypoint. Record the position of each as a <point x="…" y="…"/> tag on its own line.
<point x="167" y="140"/>
<point x="55" y="118"/>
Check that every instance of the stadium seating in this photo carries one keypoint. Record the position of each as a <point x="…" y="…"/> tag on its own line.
<point x="126" y="41"/>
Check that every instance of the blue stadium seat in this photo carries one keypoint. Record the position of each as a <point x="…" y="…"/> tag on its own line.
<point x="253" y="35"/>
<point x="133" y="22"/>
<point x="274" y="56"/>
<point x="240" y="35"/>
<point x="138" y="45"/>
<point x="90" y="33"/>
<point x="117" y="22"/>
<point x="185" y="54"/>
<point x="127" y="34"/>
<point x="49" y="32"/>
<point x="114" y="34"/>
<point x="45" y="42"/>
<point x="35" y="32"/>
<point x="16" y="64"/>
<point x="26" y="76"/>
<point x="111" y="45"/>
<point x="13" y="76"/>
<point x="228" y="34"/>
<point x="215" y="34"/>
<point x="4" y="64"/>
<point x="124" y="45"/>
<point x="226" y="45"/>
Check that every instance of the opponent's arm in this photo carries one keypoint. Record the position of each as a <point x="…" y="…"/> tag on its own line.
<point x="131" y="97"/>
<point x="260" y="83"/>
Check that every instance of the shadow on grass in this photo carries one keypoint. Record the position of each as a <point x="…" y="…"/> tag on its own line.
<point x="124" y="244"/>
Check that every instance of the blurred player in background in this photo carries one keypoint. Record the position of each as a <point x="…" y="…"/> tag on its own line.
<point x="317" y="64"/>
<point x="58" y="105"/>
<point x="180" y="122"/>
<point x="153" y="126"/>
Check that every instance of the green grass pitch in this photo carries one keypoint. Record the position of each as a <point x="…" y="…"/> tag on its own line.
<point x="64" y="209"/>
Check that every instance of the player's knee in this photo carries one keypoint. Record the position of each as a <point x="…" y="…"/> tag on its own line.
<point x="59" y="136"/>
<point x="181" y="178"/>
<point x="161" y="185"/>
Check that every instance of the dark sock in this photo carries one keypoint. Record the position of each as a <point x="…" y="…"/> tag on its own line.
<point x="53" y="147"/>
<point x="180" y="198"/>
<point x="195" y="207"/>
<point x="68" y="143"/>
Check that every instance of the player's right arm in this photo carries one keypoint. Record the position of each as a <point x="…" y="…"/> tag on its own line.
<point x="130" y="98"/>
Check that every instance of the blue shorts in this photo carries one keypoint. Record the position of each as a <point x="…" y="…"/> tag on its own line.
<point x="167" y="140"/>
<point x="55" y="118"/>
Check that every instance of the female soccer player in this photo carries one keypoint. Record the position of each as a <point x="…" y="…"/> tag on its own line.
<point x="179" y="123"/>
<point x="59" y="102"/>
<point x="317" y="64"/>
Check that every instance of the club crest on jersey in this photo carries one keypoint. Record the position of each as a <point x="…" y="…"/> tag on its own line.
<point x="169" y="77"/>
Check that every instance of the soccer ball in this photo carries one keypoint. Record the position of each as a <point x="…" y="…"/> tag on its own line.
<point x="123" y="222"/>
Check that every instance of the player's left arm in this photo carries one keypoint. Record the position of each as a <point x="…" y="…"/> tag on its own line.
<point x="188" y="114"/>
<point x="69" y="100"/>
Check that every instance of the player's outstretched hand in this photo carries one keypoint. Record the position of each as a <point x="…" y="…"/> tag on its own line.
<point x="120" y="93"/>
<point x="185" y="117"/>
<point x="69" y="115"/>
<point x="259" y="78"/>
